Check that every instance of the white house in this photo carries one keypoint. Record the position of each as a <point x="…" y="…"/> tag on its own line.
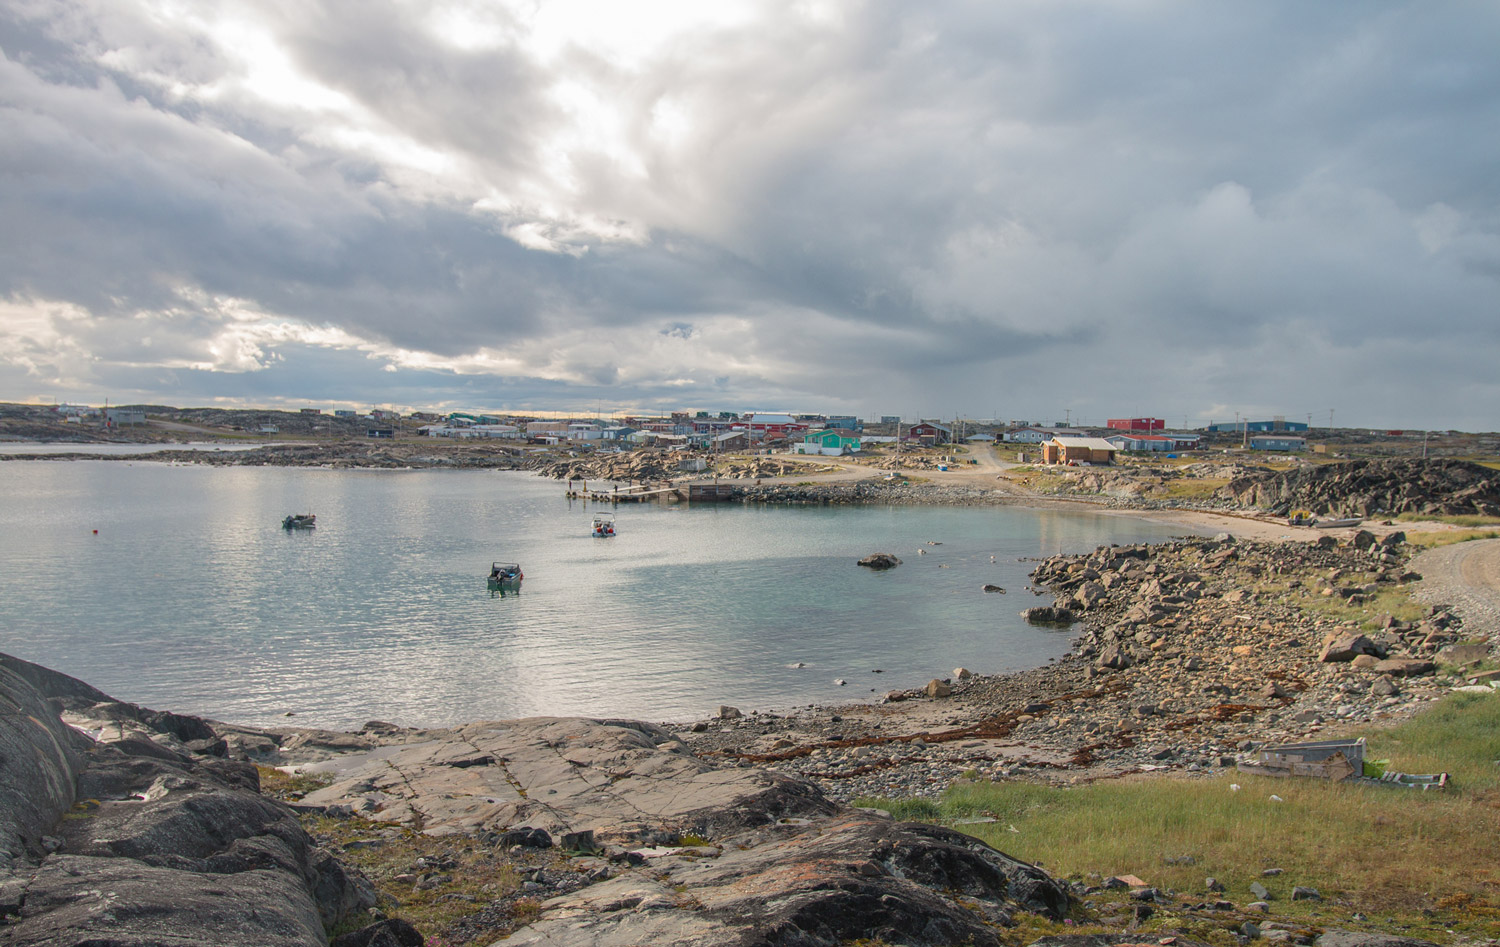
<point x="1151" y="442"/>
<point x="1041" y="435"/>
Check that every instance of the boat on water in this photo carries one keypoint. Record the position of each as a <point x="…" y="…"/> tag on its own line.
<point x="505" y="575"/>
<point x="604" y="526"/>
<point x="299" y="521"/>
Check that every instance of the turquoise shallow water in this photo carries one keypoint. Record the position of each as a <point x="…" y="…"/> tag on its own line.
<point x="191" y="597"/>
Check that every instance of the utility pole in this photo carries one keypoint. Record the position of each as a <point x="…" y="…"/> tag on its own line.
<point x="1067" y="417"/>
<point x="1424" y="445"/>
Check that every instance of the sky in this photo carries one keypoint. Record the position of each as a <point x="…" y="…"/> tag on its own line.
<point x="1030" y="209"/>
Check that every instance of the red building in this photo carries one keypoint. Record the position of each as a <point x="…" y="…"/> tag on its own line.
<point x="1136" y="424"/>
<point x="771" y="425"/>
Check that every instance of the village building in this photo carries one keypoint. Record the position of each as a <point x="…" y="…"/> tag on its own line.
<point x="930" y="433"/>
<point x="1135" y="424"/>
<point x="833" y="442"/>
<point x="731" y="441"/>
<point x="1078" y="450"/>
<point x="1041" y="435"/>
<point x="1278" y="443"/>
<point x="1144" y="442"/>
<point x="121" y="417"/>
<point x="762" y="425"/>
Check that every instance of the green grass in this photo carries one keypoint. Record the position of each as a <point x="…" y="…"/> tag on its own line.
<point x="1428" y="859"/>
<point x="1449" y="537"/>
<point x="1471" y="521"/>
<point x="1194" y="488"/>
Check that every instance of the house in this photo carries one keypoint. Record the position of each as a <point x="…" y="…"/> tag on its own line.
<point x="834" y="442"/>
<point x="1041" y="435"/>
<point x="1135" y="424"/>
<point x="1185" y="441"/>
<point x="345" y="413"/>
<point x="1279" y="442"/>
<point x="1153" y="442"/>
<point x="119" y="417"/>
<point x="762" y="425"/>
<point x="1078" y="450"/>
<point x="1240" y="427"/>
<point x="383" y="432"/>
<point x="847" y="423"/>
<point x="980" y="439"/>
<point x="930" y="432"/>
<point x="731" y="440"/>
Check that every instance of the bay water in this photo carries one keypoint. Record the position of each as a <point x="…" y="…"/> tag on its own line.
<point x="191" y="597"/>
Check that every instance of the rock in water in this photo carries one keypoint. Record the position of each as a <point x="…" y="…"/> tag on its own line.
<point x="880" y="560"/>
<point x="1049" y="615"/>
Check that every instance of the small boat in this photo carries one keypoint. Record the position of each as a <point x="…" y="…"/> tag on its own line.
<point x="1338" y="524"/>
<point x="604" y="526"/>
<point x="505" y="575"/>
<point x="299" y="521"/>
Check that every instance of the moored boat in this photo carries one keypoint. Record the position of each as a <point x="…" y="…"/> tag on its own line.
<point x="505" y="575"/>
<point x="604" y="526"/>
<point x="299" y="521"/>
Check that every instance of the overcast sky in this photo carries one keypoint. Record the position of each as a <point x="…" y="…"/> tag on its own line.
<point x="1026" y="209"/>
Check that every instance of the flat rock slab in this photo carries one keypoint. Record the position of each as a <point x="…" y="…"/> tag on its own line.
<point x="629" y="783"/>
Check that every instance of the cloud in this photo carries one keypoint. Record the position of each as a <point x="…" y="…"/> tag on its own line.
<point x="1018" y="209"/>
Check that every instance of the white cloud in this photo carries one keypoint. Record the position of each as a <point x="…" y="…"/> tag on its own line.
<point x="850" y="204"/>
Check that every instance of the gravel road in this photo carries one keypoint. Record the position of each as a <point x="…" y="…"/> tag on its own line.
<point x="1465" y="576"/>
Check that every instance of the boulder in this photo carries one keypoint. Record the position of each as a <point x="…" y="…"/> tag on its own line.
<point x="1115" y="658"/>
<point x="1463" y="653"/>
<point x="879" y="561"/>
<point x="1405" y="667"/>
<point x="1089" y="595"/>
<point x="1346" y="647"/>
<point x="1049" y="615"/>
<point x="937" y="688"/>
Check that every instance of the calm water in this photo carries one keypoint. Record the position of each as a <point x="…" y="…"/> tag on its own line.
<point x="191" y="597"/>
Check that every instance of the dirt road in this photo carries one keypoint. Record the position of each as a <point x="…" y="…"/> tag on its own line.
<point x="1465" y="576"/>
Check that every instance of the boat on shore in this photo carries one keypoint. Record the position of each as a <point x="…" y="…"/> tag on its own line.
<point x="299" y="521"/>
<point x="505" y="575"/>
<point x="604" y="526"/>
<point x="1339" y="523"/>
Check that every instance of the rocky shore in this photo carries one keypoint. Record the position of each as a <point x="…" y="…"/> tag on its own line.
<point x="1187" y="653"/>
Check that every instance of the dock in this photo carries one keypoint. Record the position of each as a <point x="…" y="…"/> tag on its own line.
<point x="694" y="492"/>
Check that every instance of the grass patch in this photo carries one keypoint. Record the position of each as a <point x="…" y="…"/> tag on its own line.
<point x="434" y="883"/>
<point x="1448" y="537"/>
<point x="1392" y="600"/>
<point x="1194" y="488"/>
<point x="1430" y="860"/>
<point x="286" y="786"/>
<point x="1470" y="521"/>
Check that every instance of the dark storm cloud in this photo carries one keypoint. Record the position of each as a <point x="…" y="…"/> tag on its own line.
<point x="1266" y="207"/>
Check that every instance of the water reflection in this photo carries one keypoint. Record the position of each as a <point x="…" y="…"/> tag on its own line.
<point x="199" y="602"/>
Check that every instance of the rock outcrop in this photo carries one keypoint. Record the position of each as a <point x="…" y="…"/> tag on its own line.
<point x="1373" y="487"/>
<point x="773" y="861"/>
<point x="141" y="839"/>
